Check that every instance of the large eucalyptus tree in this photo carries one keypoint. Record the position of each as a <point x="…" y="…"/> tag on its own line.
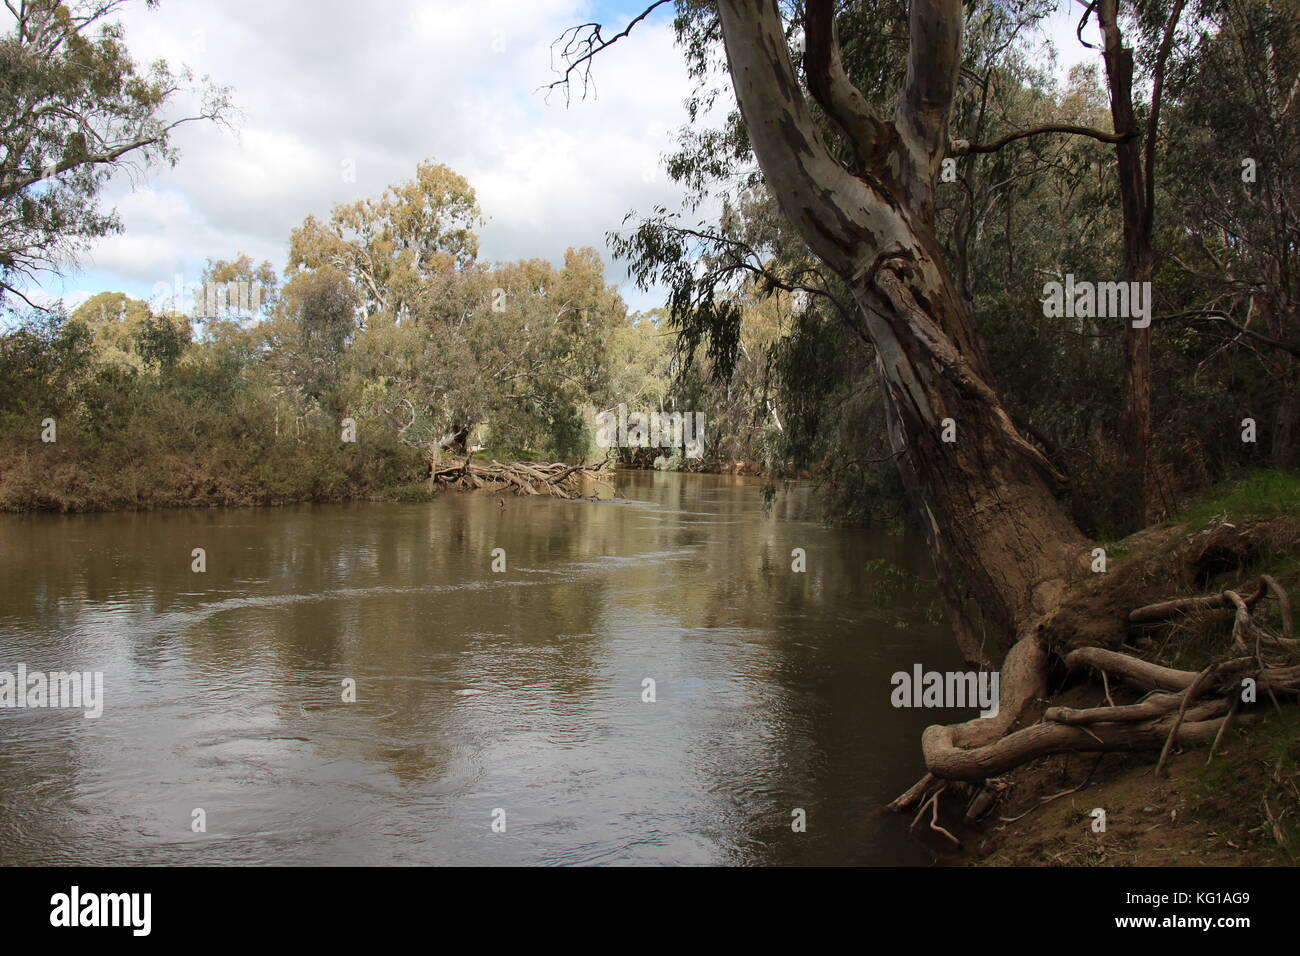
<point x="987" y="496"/>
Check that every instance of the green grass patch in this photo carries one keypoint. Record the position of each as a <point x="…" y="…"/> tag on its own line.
<point x="1255" y="494"/>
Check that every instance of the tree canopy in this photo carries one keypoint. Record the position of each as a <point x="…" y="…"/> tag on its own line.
<point x="76" y="108"/>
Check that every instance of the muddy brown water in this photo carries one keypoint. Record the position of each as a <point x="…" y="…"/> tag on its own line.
<point x="479" y="695"/>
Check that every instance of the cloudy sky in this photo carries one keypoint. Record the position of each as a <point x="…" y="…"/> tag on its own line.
<point x="323" y="87"/>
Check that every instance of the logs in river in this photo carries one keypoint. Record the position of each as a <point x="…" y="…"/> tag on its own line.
<point x="523" y="478"/>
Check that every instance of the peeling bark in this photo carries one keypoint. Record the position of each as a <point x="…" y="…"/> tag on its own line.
<point x="987" y="500"/>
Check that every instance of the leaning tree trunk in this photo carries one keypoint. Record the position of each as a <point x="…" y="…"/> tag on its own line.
<point x="985" y="495"/>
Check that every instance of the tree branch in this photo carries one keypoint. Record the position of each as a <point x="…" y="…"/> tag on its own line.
<point x="580" y="48"/>
<point x="8" y="288"/>
<point x="12" y="186"/>
<point x="933" y="59"/>
<point x="1215" y="315"/>
<point x="830" y="84"/>
<point x="964" y="148"/>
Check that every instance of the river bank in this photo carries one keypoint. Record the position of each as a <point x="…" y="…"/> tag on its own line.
<point x="52" y="479"/>
<point x="1238" y="810"/>
<point x="61" y="482"/>
<point x="1240" y="807"/>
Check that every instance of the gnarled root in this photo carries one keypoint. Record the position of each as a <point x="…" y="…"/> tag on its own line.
<point x="1165" y="610"/>
<point x="1181" y="707"/>
<point x="1173" y="716"/>
<point x="951" y="762"/>
<point x="1023" y="680"/>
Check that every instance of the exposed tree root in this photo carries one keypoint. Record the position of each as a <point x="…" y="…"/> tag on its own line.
<point x="523" y="478"/>
<point x="1131" y="670"/>
<point x="1164" y="610"/>
<point x="932" y="804"/>
<point x="1284" y="603"/>
<point x="908" y="799"/>
<point x="1181" y="708"/>
<point x="1223" y="729"/>
<point x="1202" y="679"/>
<point x="951" y="762"/>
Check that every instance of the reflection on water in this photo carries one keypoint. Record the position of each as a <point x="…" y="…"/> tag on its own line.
<point x="476" y="690"/>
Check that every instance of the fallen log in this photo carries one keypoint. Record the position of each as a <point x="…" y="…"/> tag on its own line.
<point x="558" y="479"/>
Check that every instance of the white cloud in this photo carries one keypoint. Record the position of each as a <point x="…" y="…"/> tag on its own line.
<point x="385" y="86"/>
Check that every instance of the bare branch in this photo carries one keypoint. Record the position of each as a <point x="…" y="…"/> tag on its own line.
<point x="1083" y="22"/>
<point x="8" y="288"/>
<point x="580" y="46"/>
<point x="1217" y="316"/>
<point x="963" y="148"/>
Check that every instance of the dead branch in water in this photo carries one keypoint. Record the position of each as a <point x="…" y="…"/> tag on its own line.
<point x="558" y="479"/>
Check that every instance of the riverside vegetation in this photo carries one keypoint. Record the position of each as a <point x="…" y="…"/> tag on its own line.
<point x="954" y="177"/>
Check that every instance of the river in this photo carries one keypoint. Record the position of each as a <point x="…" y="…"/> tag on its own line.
<point x="512" y="697"/>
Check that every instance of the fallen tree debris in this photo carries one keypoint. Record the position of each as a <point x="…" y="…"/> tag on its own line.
<point x="558" y="479"/>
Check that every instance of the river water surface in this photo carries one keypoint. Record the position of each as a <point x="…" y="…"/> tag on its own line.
<point x="476" y="691"/>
